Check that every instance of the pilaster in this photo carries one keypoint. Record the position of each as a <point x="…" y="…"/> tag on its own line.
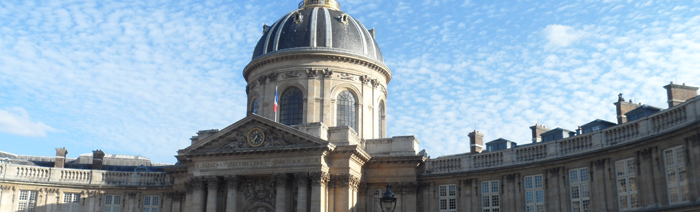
<point x="6" y="197"/>
<point x="168" y="201"/>
<point x="178" y="196"/>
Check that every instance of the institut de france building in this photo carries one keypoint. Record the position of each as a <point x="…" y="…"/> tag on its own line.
<point x="314" y="140"/>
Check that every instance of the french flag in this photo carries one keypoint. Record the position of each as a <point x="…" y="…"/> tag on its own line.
<point x="275" y="107"/>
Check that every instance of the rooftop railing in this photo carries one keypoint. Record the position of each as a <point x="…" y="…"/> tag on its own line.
<point x="37" y="174"/>
<point x="653" y="125"/>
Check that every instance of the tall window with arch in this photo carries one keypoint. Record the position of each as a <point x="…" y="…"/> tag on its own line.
<point x="347" y="110"/>
<point x="254" y="106"/>
<point x="291" y="106"/>
<point x="382" y="115"/>
<point x="376" y="196"/>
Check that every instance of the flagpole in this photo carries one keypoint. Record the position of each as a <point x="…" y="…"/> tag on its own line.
<point x="275" y="106"/>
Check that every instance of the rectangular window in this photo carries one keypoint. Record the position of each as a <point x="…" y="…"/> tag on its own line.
<point x="627" y="197"/>
<point x="112" y="203"/>
<point x="27" y="201"/>
<point x="490" y="201"/>
<point x="676" y="175"/>
<point x="534" y="194"/>
<point x="448" y="198"/>
<point x="580" y="193"/>
<point x="71" y="202"/>
<point x="150" y="203"/>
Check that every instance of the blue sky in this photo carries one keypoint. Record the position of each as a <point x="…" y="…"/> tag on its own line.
<point x="141" y="77"/>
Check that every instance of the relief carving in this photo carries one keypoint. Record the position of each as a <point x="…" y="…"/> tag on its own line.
<point x="273" y="76"/>
<point x="257" y="191"/>
<point x="374" y="82"/>
<point x="347" y="76"/>
<point x="292" y="74"/>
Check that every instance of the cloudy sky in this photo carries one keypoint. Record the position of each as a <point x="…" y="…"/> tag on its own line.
<point x="141" y="77"/>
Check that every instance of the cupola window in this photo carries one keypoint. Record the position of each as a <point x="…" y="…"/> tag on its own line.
<point x="291" y="106"/>
<point x="347" y="110"/>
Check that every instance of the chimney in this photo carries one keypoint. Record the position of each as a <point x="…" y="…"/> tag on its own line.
<point x="623" y="107"/>
<point x="677" y="94"/>
<point x="60" y="157"/>
<point x="97" y="157"/>
<point x="476" y="141"/>
<point x="537" y="130"/>
<point x="202" y="134"/>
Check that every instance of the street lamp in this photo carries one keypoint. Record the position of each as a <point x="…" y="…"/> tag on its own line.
<point x="388" y="201"/>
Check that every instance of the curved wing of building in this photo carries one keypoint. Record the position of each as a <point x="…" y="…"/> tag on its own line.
<point x="315" y="140"/>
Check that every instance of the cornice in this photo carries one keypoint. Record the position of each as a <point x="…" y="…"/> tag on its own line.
<point x="316" y="54"/>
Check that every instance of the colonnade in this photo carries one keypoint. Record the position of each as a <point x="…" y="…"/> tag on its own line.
<point x="305" y="191"/>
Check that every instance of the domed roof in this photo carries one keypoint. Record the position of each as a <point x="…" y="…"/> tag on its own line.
<point x="318" y="27"/>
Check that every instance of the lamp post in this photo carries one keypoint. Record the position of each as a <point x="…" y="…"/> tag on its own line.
<point x="388" y="201"/>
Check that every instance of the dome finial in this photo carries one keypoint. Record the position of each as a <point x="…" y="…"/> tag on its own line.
<point x="330" y="4"/>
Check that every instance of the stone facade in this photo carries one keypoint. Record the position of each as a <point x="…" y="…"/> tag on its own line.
<point x="258" y="164"/>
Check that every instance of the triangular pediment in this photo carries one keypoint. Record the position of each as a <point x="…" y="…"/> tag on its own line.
<point x="241" y="137"/>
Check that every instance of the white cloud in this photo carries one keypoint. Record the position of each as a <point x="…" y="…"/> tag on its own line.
<point x="16" y="120"/>
<point x="561" y="35"/>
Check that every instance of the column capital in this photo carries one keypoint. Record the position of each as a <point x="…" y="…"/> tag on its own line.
<point x="198" y="182"/>
<point x="281" y="179"/>
<point x="302" y="178"/>
<point x="319" y="178"/>
<point x="213" y="182"/>
<point x="178" y="195"/>
<point x="232" y="181"/>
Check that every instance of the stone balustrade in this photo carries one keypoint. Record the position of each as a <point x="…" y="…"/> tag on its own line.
<point x="35" y="174"/>
<point x="630" y="132"/>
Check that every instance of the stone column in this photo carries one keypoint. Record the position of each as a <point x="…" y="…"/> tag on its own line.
<point x="319" y="180"/>
<point x="212" y="190"/>
<point x="281" y="197"/>
<point x="411" y="200"/>
<point x="177" y="201"/>
<point x="302" y="180"/>
<point x="197" y="201"/>
<point x="231" y="193"/>
<point x="189" y="195"/>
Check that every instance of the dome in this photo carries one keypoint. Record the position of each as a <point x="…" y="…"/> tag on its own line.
<point x="318" y="25"/>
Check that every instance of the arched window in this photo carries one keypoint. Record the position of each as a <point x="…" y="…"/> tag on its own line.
<point x="291" y="106"/>
<point x="254" y="106"/>
<point x="376" y="195"/>
<point x="381" y="119"/>
<point x="347" y="110"/>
